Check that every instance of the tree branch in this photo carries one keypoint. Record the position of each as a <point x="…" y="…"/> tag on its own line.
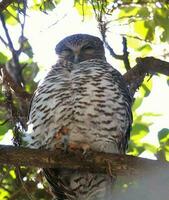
<point x="126" y="55"/>
<point x="148" y="65"/>
<point x="152" y="65"/>
<point x="10" y="44"/>
<point x="94" y="162"/>
<point x="13" y="66"/>
<point x="18" y="90"/>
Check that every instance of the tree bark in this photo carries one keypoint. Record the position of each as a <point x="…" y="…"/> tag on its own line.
<point x="147" y="65"/>
<point x="92" y="162"/>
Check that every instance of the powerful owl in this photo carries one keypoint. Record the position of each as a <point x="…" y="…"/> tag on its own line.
<point x="83" y="102"/>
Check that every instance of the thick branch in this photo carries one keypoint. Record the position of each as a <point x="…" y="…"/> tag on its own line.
<point x="152" y="65"/>
<point x="148" y="65"/>
<point x="94" y="162"/>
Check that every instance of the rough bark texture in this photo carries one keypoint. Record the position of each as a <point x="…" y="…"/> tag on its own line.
<point x="148" y="65"/>
<point x="93" y="162"/>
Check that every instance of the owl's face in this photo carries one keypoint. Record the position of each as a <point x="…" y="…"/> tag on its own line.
<point x="79" y="47"/>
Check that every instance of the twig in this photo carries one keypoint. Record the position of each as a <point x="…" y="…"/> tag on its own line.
<point x="10" y="44"/>
<point x="13" y="67"/>
<point x="112" y="53"/>
<point x="21" y="38"/>
<point x="126" y="55"/>
<point x="3" y="41"/>
<point x="100" y="14"/>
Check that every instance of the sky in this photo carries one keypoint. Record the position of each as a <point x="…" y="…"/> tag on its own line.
<point x="44" y="31"/>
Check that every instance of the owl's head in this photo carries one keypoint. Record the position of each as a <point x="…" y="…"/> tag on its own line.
<point x="80" y="47"/>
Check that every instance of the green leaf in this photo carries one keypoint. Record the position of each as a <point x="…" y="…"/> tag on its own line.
<point x="4" y="124"/>
<point x="150" y="26"/>
<point x="149" y="147"/>
<point x="4" y="127"/>
<point x="140" y="29"/>
<point x="146" y="87"/>
<point x="44" y="6"/>
<point x="128" y="11"/>
<point x="26" y="47"/>
<point x="139" y="130"/>
<point x="3" y="58"/>
<point x="145" y="90"/>
<point x="145" y="49"/>
<point x="4" y="194"/>
<point x="143" y="12"/>
<point x="49" y="5"/>
<point x="134" y="149"/>
<point x="163" y="135"/>
<point x="134" y="43"/>
<point x="137" y="103"/>
<point x="84" y="8"/>
<point x="161" y="17"/>
<point x="12" y="173"/>
<point x="30" y="71"/>
<point x="167" y="155"/>
<point x="30" y="87"/>
<point x="11" y="15"/>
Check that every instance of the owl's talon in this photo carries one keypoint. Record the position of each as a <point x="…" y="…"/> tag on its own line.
<point x="63" y="135"/>
<point x="84" y="147"/>
<point x="109" y="169"/>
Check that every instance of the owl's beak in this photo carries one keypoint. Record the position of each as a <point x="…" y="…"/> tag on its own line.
<point x="76" y="58"/>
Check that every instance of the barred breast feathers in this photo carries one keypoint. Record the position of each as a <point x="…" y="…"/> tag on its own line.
<point x="91" y="93"/>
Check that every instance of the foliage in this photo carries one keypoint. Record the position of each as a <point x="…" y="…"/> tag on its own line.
<point x="145" y="25"/>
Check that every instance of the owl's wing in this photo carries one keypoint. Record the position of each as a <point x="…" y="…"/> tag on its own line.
<point x="128" y="101"/>
<point x="58" y="184"/>
<point x="53" y="91"/>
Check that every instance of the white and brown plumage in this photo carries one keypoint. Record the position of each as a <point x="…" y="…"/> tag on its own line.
<point x="82" y="100"/>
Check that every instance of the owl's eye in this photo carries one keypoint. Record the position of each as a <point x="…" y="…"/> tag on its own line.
<point x="88" y="47"/>
<point x="66" y="50"/>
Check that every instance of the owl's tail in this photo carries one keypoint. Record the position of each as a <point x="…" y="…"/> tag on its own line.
<point x="57" y="186"/>
<point x="71" y="185"/>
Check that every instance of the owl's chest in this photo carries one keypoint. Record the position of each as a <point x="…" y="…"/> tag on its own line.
<point x="88" y="108"/>
<point x="83" y="103"/>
